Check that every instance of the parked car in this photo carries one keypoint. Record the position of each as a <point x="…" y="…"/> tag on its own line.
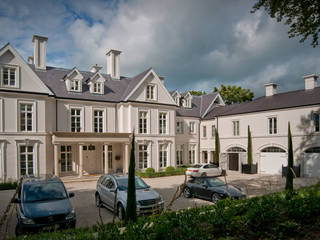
<point x="211" y="188"/>
<point x="43" y="204"/>
<point x="148" y="200"/>
<point x="203" y="170"/>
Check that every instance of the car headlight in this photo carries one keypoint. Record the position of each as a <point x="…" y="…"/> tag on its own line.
<point x="71" y="215"/>
<point x="26" y="220"/>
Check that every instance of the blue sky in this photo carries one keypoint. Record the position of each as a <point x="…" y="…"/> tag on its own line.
<point x="196" y="45"/>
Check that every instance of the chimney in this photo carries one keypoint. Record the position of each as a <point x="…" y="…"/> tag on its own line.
<point x="113" y="63"/>
<point x="95" y="68"/>
<point x="40" y="51"/>
<point x="162" y="78"/>
<point x="30" y="60"/>
<point x="310" y="81"/>
<point x="271" y="89"/>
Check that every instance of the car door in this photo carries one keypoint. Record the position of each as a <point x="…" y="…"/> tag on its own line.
<point x="214" y="170"/>
<point x="110" y="192"/>
<point x="197" y="187"/>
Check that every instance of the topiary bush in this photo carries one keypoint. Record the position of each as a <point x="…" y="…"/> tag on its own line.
<point x="150" y="170"/>
<point x="170" y="169"/>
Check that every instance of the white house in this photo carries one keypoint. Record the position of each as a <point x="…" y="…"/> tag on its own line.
<point x="74" y="122"/>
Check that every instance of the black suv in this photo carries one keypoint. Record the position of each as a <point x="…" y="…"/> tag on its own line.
<point x="44" y="204"/>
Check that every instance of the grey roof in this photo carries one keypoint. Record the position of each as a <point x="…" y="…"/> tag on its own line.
<point x="278" y="101"/>
<point x="114" y="90"/>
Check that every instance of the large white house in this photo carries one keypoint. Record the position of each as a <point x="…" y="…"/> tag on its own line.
<point x="74" y="122"/>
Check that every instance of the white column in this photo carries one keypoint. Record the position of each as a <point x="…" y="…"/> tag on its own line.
<point x="197" y="154"/>
<point x="80" y="160"/>
<point x="126" y="157"/>
<point x="56" y="160"/>
<point x="209" y="156"/>
<point x="169" y="154"/>
<point x="106" y="156"/>
<point x="149" y="154"/>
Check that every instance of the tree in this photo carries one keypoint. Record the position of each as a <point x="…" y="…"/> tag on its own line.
<point x="289" y="176"/>
<point x="197" y="93"/>
<point x="131" y="211"/>
<point x="234" y="94"/>
<point x="217" y="146"/>
<point x="249" y="150"/>
<point x="302" y="16"/>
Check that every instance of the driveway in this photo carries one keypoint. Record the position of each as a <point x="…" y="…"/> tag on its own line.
<point x="88" y="213"/>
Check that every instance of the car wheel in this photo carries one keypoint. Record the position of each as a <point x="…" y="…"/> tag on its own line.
<point x="121" y="212"/>
<point x="204" y="174"/>
<point x="187" y="192"/>
<point x="98" y="200"/>
<point x="215" y="198"/>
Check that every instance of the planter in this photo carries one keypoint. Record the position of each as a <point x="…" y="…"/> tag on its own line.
<point x="296" y="170"/>
<point x="249" y="168"/>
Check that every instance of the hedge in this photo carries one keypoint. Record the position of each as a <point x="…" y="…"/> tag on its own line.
<point x="282" y="215"/>
<point x="8" y="185"/>
<point x="170" y="171"/>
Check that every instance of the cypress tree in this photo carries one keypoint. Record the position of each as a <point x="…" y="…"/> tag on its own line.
<point x="249" y="150"/>
<point x="217" y="147"/>
<point x="131" y="211"/>
<point x="289" y="176"/>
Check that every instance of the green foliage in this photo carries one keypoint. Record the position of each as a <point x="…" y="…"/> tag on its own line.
<point x="173" y="172"/>
<point x="289" y="177"/>
<point x="217" y="146"/>
<point x="170" y="169"/>
<point x="234" y="94"/>
<point x="131" y="211"/>
<point x="150" y="171"/>
<point x="249" y="149"/>
<point x="269" y="217"/>
<point x="197" y="93"/>
<point x="303" y="17"/>
<point x="8" y="185"/>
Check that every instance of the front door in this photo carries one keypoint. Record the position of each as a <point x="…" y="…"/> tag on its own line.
<point x="66" y="158"/>
<point x="89" y="159"/>
<point x="233" y="161"/>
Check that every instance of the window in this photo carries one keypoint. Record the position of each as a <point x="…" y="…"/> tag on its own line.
<point x="235" y="128"/>
<point x="192" y="154"/>
<point x="163" y="155"/>
<point x="26" y="117"/>
<point x="204" y="131"/>
<point x="75" y="120"/>
<point x="110" y="156"/>
<point x="75" y="85"/>
<point x="204" y="157"/>
<point x="143" y="156"/>
<point x="180" y="127"/>
<point x="98" y="87"/>
<point x="162" y="123"/>
<point x="66" y="158"/>
<point x="26" y="160"/>
<point x="179" y="155"/>
<point x="213" y="130"/>
<point x="192" y="127"/>
<point x="98" y="120"/>
<point x="317" y="122"/>
<point x="143" y="122"/>
<point x="272" y="125"/>
<point x="9" y="76"/>
<point x="151" y="92"/>
<point x="177" y="100"/>
<point x="188" y="103"/>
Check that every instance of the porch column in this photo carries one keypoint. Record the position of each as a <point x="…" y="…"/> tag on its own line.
<point x="197" y="154"/>
<point x="106" y="156"/>
<point x="126" y="157"/>
<point x="80" y="159"/>
<point x="209" y="156"/>
<point x="56" y="160"/>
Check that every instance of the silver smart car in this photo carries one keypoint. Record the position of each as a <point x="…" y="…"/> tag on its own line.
<point x="148" y="200"/>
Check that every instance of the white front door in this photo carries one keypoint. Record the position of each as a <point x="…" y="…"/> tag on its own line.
<point x="90" y="159"/>
<point x="312" y="164"/>
<point x="271" y="162"/>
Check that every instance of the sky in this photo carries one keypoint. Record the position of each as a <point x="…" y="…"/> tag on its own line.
<point x="196" y="45"/>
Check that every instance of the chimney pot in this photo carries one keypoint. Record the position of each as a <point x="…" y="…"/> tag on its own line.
<point x="310" y="81"/>
<point x="271" y="89"/>
<point x="95" y="68"/>
<point x="30" y="60"/>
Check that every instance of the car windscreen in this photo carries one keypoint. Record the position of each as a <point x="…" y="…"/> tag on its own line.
<point x="215" y="182"/>
<point x="36" y="192"/>
<point x="123" y="184"/>
<point x="196" y="166"/>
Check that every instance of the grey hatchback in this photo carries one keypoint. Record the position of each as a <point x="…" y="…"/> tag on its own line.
<point x="148" y="200"/>
<point x="43" y="205"/>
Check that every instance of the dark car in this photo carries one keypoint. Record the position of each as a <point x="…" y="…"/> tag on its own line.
<point x="211" y="188"/>
<point x="44" y="204"/>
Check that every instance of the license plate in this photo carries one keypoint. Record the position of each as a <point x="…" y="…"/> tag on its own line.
<point x="49" y="228"/>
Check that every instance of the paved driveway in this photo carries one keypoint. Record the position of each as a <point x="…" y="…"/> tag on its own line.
<point x="88" y="214"/>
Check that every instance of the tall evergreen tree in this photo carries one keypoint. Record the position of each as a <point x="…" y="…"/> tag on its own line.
<point x="289" y="177"/>
<point x="131" y="211"/>
<point x="217" y="147"/>
<point x="249" y="150"/>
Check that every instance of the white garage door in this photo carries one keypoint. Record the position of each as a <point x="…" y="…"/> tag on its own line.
<point x="271" y="162"/>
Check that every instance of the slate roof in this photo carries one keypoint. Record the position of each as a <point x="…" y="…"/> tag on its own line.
<point x="114" y="90"/>
<point x="278" y="101"/>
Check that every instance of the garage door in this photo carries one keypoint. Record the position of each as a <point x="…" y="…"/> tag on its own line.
<point x="272" y="159"/>
<point x="312" y="162"/>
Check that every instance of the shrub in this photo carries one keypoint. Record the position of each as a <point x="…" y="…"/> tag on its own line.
<point x="8" y="185"/>
<point x="150" y="170"/>
<point x="170" y="169"/>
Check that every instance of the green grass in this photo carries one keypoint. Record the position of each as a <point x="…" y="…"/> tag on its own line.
<point x="8" y="185"/>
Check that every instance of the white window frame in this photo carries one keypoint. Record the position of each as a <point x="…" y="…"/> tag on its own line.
<point x="192" y="127"/>
<point x="103" y="119"/>
<point x="67" y="152"/>
<point x="16" y="73"/>
<point x="151" y="92"/>
<point x="236" y="127"/>
<point x="188" y="103"/>
<point x="316" y="122"/>
<point x="204" y="131"/>
<point x="177" y="100"/>
<point x="144" y="125"/>
<point x="163" y="123"/>
<point x="34" y="115"/>
<point x="180" y="127"/>
<point x="98" y="87"/>
<point x="26" y="154"/>
<point x="163" y="155"/>
<point x="213" y="132"/>
<point x="75" y="85"/>
<point x="192" y="154"/>
<point x="179" y="154"/>
<point x="143" y="151"/>
<point x="81" y="118"/>
<point x="272" y="125"/>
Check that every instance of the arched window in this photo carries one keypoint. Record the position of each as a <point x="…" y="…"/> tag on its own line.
<point x="313" y="150"/>
<point x="272" y="149"/>
<point x="236" y="149"/>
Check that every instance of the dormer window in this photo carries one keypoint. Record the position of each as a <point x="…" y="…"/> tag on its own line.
<point x="177" y="100"/>
<point x="75" y="85"/>
<point x="98" y="87"/>
<point x="74" y="81"/>
<point x="9" y="76"/>
<point x="151" y="94"/>
<point x="188" y="103"/>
